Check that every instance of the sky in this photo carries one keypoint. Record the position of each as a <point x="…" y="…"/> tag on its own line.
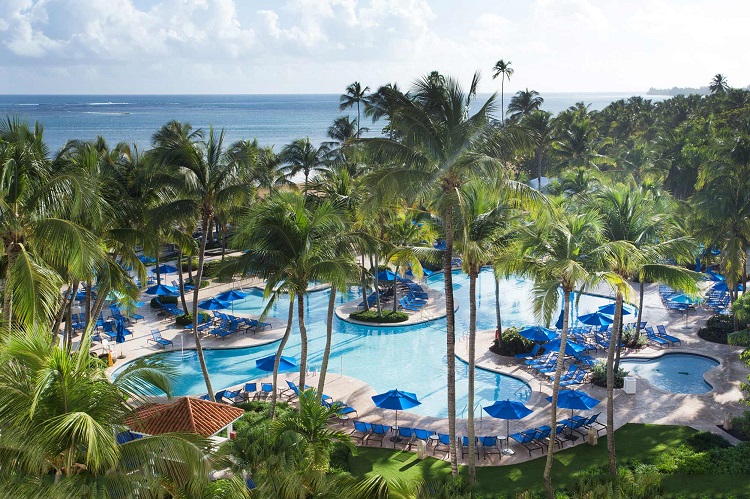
<point x="321" y="46"/>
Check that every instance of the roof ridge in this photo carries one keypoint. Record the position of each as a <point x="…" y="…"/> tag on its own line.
<point x="193" y="425"/>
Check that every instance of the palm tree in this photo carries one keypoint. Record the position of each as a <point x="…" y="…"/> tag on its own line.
<point x="503" y="70"/>
<point x="206" y="178"/>
<point x="61" y="415"/>
<point x="383" y="104"/>
<point x="290" y="244"/>
<point x="302" y="156"/>
<point x="442" y="148"/>
<point x="557" y="252"/>
<point x="542" y="132"/>
<point x="354" y="94"/>
<point x="524" y="103"/>
<point x="718" y="84"/>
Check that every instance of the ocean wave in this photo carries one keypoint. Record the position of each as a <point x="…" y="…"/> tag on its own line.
<point x="27" y="104"/>
<point x="104" y="112"/>
<point x="108" y="103"/>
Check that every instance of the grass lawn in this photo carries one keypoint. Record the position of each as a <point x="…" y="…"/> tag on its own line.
<point x="635" y="442"/>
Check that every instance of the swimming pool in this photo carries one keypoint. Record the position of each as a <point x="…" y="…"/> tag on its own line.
<point x="410" y="358"/>
<point x="674" y="372"/>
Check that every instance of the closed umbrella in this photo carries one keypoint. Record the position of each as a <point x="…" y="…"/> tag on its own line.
<point x="286" y="364"/>
<point x="120" y="330"/>
<point x="397" y="400"/>
<point x="506" y="409"/>
<point x="213" y="304"/>
<point x="537" y="333"/>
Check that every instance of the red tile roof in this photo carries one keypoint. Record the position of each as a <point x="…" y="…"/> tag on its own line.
<point x="187" y="414"/>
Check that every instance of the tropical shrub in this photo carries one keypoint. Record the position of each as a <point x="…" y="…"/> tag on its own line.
<point x="185" y="319"/>
<point x="717" y="328"/>
<point x="214" y="267"/>
<point x="741" y="307"/>
<point x="512" y="344"/>
<point x="715" y="461"/>
<point x="387" y="317"/>
<point x="628" y="338"/>
<point x="193" y="261"/>
<point x="167" y="300"/>
<point x="740" y="338"/>
<point x="741" y="426"/>
<point x="599" y="375"/>
<point x="705" y="440"/>
<point x="204" y="282"/>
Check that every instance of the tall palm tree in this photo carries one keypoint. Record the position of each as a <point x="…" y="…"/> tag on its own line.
<point x="503" y="70"/>
<point x="719" y="84"/>
<point x="442" y="147"/>
<point x="524" y="103"/>
<point x="383" y="104"/>
<point x="542" y="133"/>
<point x="290" y="244"/>
<point x="61" y="415"/>
<point x="354" y="95"/>
<point x="301" y="156"/>
<point x="557" y="252"/>
<point x="205" y="178"/>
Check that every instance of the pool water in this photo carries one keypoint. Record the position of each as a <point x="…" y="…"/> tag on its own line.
<point x="674" y="372"/>
<point x="410" y="358"/>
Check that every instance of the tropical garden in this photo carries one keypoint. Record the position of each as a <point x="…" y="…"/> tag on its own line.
<point x="638" y="191"/>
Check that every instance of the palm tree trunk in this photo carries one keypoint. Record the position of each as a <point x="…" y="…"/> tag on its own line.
<point x="182" y="283"/>
<point x="555" y="393"/>
<point x="87" y="305"/>
<point x="378" y="306"/>
<point x="329" y="336"/>
<point x="502" y="99"/>
<point x="158" y="251"/>
<point x="190" y="269"/>
<point x="498" y="319"/>
<point x="363" y="281"/>
<point x="66" y="303"/>
<point x="279" y="351"/>
<point x="395" y="292"/>
<point x="637" y="335"/>
<point x="450" y="326"/>
<point x="198" y="276"/>
<point x="302" y="339"/>
<point x="539" y="155"/>
<point x="611" y="385"/>
<point x="472" y="368"/>
<point x="98" y="305"/>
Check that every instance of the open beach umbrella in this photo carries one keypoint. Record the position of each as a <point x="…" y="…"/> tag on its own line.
<point x="571" y="347"/>
<point x="213" y="304"/>
<point x="610" y="309"/>
<point x="575" y="400"/>
<point x="507" y="410"/>
<point x="397" y="400"/>
<point x="165" y="269"/>
<point x="146" y="259"/>
<point x="537" y="333"/>
<point x="286" y="364"/>
<point x="596" y="319"/>
<point x="386" y="275"/>
<point x="232" y="295"/>
<point x="162" y="290"/>
<point x="685" y="300"/>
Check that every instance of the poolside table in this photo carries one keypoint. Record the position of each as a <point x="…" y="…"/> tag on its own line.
<point x="507" y="451"/>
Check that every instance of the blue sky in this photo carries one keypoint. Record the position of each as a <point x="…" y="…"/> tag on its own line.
<point x="320" y="46"/>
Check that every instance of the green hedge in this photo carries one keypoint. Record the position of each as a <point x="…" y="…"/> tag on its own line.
<point x="740" y="338"/>
<point x="185" y="319"/>
<point x="512" y="344"/>
<point x="168" y="300"/>
<point x="387" y="317"/>
<point x="717" y="328"/>
<point x="599" y="375"/>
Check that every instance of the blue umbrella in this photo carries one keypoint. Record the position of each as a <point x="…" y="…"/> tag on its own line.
<point x="286" y="364"/>
<point x="713" y="276"/>
<point x="575" y="400"/>
<point x="213" y="304"/>
<point x="146" y="259"/>
<point x="610" y="309"/>
<point x="596" y="319"/>
<point x="162" y="290"/>
<point x="571" y="348"/>
<point x="506" y="409"/>
<point x="684" y="299"/>
<point x="397" y="400"/>
<point x="232" y="295"/>
<point x="120" y="329"/>
<point x="537" y="333"/>
<point x="165" y="269"/>
<point x="386" y="275"/>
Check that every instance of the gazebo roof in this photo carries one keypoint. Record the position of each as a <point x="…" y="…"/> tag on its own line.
<point x="187" y="414"/>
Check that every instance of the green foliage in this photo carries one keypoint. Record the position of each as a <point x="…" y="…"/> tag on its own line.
<point x="741" y="307"/>
<point x="185" y="319"/>
<point x="204" y="282"/>
<point x="741" y="425"/>
<point x="628" y="338"/>
<point x="705" y="440"/>
<point x="717" y="328"/>
<point x="387" y="317"/>
<point x="740" y="338"/>
<point x="599" y="375"/>
<point x="713" y="461"/>
<point x="167" y="300"/>
<point x="339" y="458"/>
<point x="641" y="482"/>
<point x="512" y="343"/>
<point x="193" y="261"/>
<point x="214" y="267"/>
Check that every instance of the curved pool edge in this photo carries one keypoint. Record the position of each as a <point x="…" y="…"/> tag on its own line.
<point x="710" y="377"/>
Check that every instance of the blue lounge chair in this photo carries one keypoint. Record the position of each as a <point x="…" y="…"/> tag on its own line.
<point x="662" y="342"/>
<point x="361" y="431"/>
<point x="576" y="380"/>
<point x="266" y="389"/>
<point x="230" y="396"/>
<point x="591" y="423"/>
<point x="529" y="355"/>
<point x="379" y="432"/>
<point x="406" y="306"/>
<point x="341" y="408"/>
<point x="205" y="397"/>
<point x="571" y="372"/>
<point x="218" y="396"/>
<point x="406" y="436"/>
<point x="157" y="338"/>
<point x="525" y="438"/>
<point x="442" y="441"/>
<point x="489" y="443"/>
<point x="663" y="333"/>
<point x="465" y="446"/>
<point x="109" y="331"/>
<point x="423" y="435"/>
<point x="249" y="391"/>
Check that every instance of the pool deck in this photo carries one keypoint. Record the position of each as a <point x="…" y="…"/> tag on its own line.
<point x="648" y="405"/>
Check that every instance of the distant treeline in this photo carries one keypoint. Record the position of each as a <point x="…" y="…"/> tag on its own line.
<point x="681" y="91"/>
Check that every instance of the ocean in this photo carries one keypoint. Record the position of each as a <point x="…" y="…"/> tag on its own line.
<point x="275" y="120"/>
